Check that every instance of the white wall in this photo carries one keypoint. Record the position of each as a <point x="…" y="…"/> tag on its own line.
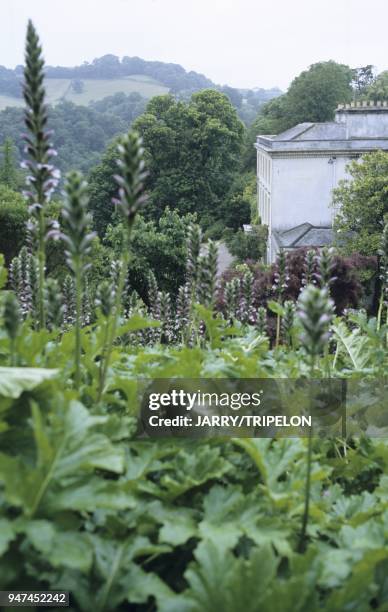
<point x="302" y="190"/>
<point x="367" y="125"/>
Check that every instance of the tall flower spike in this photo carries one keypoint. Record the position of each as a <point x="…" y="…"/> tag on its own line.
<point x="325" y="264"/>
<point x="194" y="239"/>
<point x="131" y="199"/>
<point x="68" y="291"/>
<point x="281" y="276"/>
<point x="15" y="275"/>
<point x="25" y="295"/>
<point x="207" y="275"/>
<point x="288" y="321"/>
<point x="12" y="320"/>
<point x="383" y="252"/>
<point x="183" y="309"/>
<point x="315" y="313"/>
<point x="76" y="222"/>
<point x="42" y="176"/>
<point x="153" y="290"/>
<point x="131" y="178"/>
<point x="105" y="298"/>
<point x="78" y="241"/>
<point x="54" y="304"/>
<point x="166" y="315"/>
<point x="87" y="313"/>
<point x="232" y="297"/>
<point x="309" y="269"/>
<point x="261" y="321"/>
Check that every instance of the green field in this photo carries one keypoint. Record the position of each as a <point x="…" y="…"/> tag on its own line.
<point x="94" y="89"/>
<point x="9" y="101"/>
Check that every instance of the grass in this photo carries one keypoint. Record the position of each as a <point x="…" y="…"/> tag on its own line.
<point x="10" y="101"/>
<point x="94" y="89"/>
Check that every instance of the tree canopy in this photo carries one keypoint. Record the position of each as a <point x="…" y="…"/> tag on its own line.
<point x="312" y="96"/>
<point x="363" y="204"/>
<point x="80" y="133"/>
<point x="155" y="246"/>
<point x="192" y="153"/>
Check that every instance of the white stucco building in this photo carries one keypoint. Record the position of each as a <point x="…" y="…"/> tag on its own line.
<point x="298" y="169"/>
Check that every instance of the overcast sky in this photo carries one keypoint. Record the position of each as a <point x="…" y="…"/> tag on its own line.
<point x="244" y="43"/>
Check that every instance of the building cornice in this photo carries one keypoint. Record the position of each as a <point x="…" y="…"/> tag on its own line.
<point x="321" y="148"/>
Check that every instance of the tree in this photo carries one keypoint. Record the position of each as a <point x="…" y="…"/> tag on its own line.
<point x="158" y="246"/>
<point x="363" y="78"/>
<point x="77" y="86"/>
<point x="248" y="245"/>
<point x="193" y="152"/>
<point x="378" y="90"/>
<point x="312" y="96"/>
<point x="241" y="201"/>
<point x="9" y="174"/>
<point x="102" y="188"/>
<point x="363" y="204"/>
<point x="13" y="219"/>
<point x="233" y="94"/>
<point x="316" y="92"/>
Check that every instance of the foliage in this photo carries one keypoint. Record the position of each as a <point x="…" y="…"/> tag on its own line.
<point x="346" y="289"/>
<point x="123" y="106"/>
<point x="9" y="174"/>
<point x="312" y="96"/>
<point x="191" y="148"/>
<point x="362" y="203"/>
<point x="378" y="88"/>
<point x="362" y="80"/>
<point x="81" y="133"/>
<point x="316" y="92"/>
<point x="248" y="245"/>
<point x="13" y="219"/>
<point x="158" y="246"/>
<point x="240" y="202"/>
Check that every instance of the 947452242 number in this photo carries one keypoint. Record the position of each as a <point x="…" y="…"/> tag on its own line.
<point x="53" y="599"/>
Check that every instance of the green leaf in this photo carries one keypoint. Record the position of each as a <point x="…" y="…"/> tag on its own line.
<point x="275" y="307"/>
<point x="14" y="381"/>
<point x="3" y="272"/>
<point x="178" y="524"/>
<point x="120" y="578"/>
<point x="68" y="450"/>
<point x="135" y="323"/>
<point x="72" y="550"/>
<point x="41" y="534"/>
<point x="7" y="534"/>
<point x="220" y="581"/>
<point x="353" y="345"/>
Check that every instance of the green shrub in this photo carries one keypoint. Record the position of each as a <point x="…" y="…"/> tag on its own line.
<point x="248" y="245"/>
<point x="13" y="219"/>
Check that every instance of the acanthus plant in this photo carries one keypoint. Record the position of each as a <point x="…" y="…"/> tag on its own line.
<point x="315" y="313"/>
<point x="12" y="321"/>
<point x="281" y="279"/>
<point x="324" y="267"/>
<point x="78" y="239"/>
<point x="308" y="277"/>
<point x="43" y="176"/>
<point x="383" y="302"/>
<point x="131" y="200"/>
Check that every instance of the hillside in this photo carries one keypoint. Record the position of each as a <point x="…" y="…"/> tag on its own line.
<point x="92" y="90"/>
<point x="108" y="75"/>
